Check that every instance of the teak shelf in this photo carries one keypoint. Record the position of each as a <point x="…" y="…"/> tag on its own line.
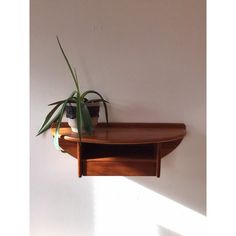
<point x="122" y="149"/>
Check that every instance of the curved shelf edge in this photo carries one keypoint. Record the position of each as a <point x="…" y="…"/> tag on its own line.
<point x="168" y="147"/>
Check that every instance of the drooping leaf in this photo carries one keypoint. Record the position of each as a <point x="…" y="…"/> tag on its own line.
<point x="79" y="118"/>
<point x="102" y="100"/>
<point x="94" y="100"/>
<point x="87" y="121"/>
<point x="106" y="112"/>
<point x="56" y="136"/>
<point x="84" y="94"/>
<point x="72" y="100"/>
<point x="48" y="125"/>
<point x="48" y="117"/>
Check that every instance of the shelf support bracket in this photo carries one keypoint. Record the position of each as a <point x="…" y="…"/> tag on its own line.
<point x="79" y="157"/>
<point x="158" y="160"/>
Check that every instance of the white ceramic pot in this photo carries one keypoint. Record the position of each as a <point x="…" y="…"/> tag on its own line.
<point x="72" y="121"/>
<point x="73" y="124"/>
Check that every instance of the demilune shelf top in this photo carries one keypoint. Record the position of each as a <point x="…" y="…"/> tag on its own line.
<point x="127" y="133"/>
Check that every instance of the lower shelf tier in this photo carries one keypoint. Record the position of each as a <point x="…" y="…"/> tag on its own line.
<point x="119" y="166"/>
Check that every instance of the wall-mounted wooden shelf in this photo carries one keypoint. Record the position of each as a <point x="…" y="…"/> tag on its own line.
<point x="122" y="149"/>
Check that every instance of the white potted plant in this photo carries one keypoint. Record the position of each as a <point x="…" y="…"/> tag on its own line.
<point x="81" y="112"/>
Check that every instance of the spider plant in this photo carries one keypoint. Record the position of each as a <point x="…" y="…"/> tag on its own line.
<point x="83" y="118"/>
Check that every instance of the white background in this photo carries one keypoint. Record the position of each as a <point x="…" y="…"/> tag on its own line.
<point x="220" y="93"/>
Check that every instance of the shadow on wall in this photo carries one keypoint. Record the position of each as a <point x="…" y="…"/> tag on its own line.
<point x="132" y="209"/>
<point x="166" y="232"/>
<point x="183" y="173"/>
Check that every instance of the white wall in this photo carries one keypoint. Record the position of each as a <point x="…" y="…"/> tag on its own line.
<point x="148" y="59"/>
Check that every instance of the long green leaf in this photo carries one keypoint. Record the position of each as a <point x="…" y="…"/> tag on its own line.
<point x="48" y="117"/>
<point x="94" y="100"/>
<point x="68" y="63"/>
<point x="48" y="125"/>
<point x="78" y="89"/>
<point x="84" y="94"/>
<point x="106" y="112"/>
<point x="103" y="100"/>
<point x="79" y="118"/>
<point x="72" y="100"/>
<point x="56" y="136"/>
<point x="87" y="121"/>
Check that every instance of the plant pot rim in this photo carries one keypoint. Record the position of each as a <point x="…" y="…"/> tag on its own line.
<point x="89" y="104"/>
